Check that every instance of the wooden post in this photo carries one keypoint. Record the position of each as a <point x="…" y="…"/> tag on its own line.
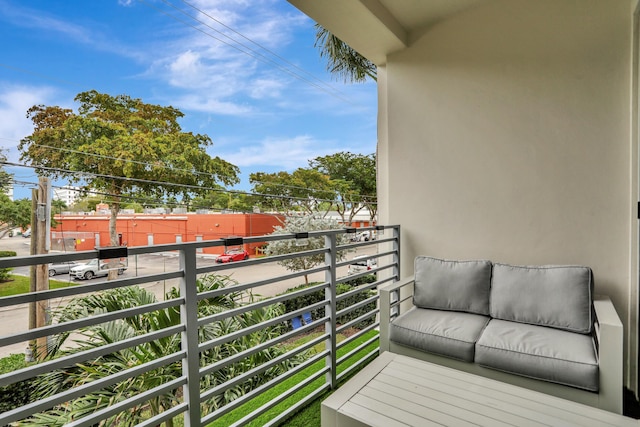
<point x="42" y="270"/>
<point x="33" y="249"/>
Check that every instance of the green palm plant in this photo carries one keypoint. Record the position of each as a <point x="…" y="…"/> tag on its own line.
<point x="342" y="60"/>
<point x="118" y="330"/>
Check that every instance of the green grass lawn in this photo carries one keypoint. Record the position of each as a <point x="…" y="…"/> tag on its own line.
<point x="310" y="415"/>
<point x="20" y="285"/>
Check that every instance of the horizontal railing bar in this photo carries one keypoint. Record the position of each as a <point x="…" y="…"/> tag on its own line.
<point x="84" y="389"/>
<point x="357" y="320"/>
<point x="164" y="416"/>
<point x="299" y="404"/>
<point x="262" y="303"/>
<point x="221" y="388"/>
<point x="251" y="285"/>
<point x="256" y="261"/>
<point x="85" y="289"/>
<point x="354" y="291"/>
<point x="357" y="306"/>
<point x="250" y="395"/>
<point x="375" y="256"/>
<point x="359" y="364"/>
<point x="126" y="404"/>
<point x="354" y="337"/>
<point x="39" y="259"/>
<point x="245" y="331"/>
<point x="87" y="321"/>
<point x="355" y="351"/>
<point x="41" y="368"/>
<point x="220" y="364"/>
<point x="273" y="402"/>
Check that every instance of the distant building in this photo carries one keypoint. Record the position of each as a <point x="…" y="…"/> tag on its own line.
<point x="85" y="232"/>
<point x="9" y="192"/>
<point x="69" y="195"/>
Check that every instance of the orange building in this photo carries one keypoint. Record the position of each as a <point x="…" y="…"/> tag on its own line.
<point x="86" y="232"/>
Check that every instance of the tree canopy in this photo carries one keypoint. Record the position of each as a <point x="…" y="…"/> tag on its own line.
<point x="304" y="190"/>
<point x="342" y="181"/>
<point x="354" y="177"/>
<point x="304" y="224"/>
<point x="122" y="147"/>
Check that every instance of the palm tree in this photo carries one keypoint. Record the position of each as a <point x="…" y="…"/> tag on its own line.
<point x="102" y="334"/>
<point x="342" y="60"/>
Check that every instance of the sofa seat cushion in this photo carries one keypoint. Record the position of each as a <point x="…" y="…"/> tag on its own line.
<point x="452" y="285"/>
<point x="447" y="333"/>
<point x="539" y="352"/>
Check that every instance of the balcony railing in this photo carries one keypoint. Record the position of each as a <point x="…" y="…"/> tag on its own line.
<point x="210" y="353"/>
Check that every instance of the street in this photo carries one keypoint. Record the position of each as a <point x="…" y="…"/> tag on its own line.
<point x="15" y="319"/>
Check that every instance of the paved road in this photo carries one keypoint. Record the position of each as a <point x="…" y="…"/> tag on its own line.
<point x="15" y="319"/>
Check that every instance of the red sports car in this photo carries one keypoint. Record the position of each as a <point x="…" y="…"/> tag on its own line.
<point x="233" y="255"/>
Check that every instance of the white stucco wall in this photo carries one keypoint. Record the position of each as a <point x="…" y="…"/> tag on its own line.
<point x="506" y="134"/>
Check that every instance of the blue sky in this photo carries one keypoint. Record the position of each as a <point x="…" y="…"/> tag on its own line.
<point x="263" y="95"/>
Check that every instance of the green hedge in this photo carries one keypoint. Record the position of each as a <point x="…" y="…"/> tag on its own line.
<point x="314" y="297"/>
<point x="4" y="272"/>
<point x="17" y="394"/>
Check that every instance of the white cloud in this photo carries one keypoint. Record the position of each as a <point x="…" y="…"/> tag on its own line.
<point x="225" y="61"/>
<point x="284" y="153"/>
<point x="206" y="104"/>
<point x="14" y="103"/>
<point x="266" y="88"/>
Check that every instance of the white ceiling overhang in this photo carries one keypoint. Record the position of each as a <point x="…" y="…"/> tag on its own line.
<point x="377" y="28"/>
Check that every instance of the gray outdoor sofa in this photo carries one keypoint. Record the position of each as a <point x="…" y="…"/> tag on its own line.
<point x="536" y="327"/>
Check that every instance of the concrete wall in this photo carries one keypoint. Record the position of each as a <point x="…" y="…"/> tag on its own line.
<point x="505" y="134"/>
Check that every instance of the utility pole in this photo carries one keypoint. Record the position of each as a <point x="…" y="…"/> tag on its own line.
<point x="33" y="249"/>
<point x="40" y="217"/>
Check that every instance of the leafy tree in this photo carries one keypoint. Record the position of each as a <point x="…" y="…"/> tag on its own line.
<point x="304" y="224"/>
<point x="122" y="147"/>
<point x="342" y="60"/>
<point x="12" y="213"/>
<point x="137" y="207"/>
<point x="102" y="334"/>
<point x="5" y="177"/>
<point x="354" y="177"/>
<point x="223" y="199"/>
<point x="16" y="213"/>
<point x="86" y="204"/>
<point x="304" y="189"/>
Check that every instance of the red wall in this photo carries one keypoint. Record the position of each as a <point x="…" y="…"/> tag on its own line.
<point x="165" y="228"/>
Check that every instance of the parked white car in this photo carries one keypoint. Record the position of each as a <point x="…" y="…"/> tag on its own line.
<point x="364" y="236"/>
<point x="93" y="268"/>
<point x="361" y="264"/>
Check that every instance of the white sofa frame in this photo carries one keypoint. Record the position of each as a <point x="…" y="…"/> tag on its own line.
<point x="397" y="298"/>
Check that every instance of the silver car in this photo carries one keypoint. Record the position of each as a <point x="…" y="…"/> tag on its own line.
<point x="61" y="267"/>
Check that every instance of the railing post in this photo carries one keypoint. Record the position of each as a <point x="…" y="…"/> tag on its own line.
<point x="396" y="250"/>
<point x="330" y="296"/>
<point x="189" y="318"/>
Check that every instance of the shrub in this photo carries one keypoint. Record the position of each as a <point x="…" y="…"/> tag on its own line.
<point x="4" y="272"/>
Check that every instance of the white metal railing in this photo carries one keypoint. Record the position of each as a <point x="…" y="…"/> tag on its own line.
<point x="188" y="379"/>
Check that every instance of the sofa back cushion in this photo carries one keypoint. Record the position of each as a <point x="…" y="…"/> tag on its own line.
<point x="555" y="296"/>
<point x="452" y="285"/>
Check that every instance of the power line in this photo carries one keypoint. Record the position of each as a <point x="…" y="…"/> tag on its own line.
<point x="252" y="53"/>
<point x="258" y="45"/>
<point x="165" y="183"/>
<point x="102" y="156"/>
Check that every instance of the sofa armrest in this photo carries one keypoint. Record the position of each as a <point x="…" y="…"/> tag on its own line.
<point x="609" y="334"/>
<point x="392" y="295"/>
